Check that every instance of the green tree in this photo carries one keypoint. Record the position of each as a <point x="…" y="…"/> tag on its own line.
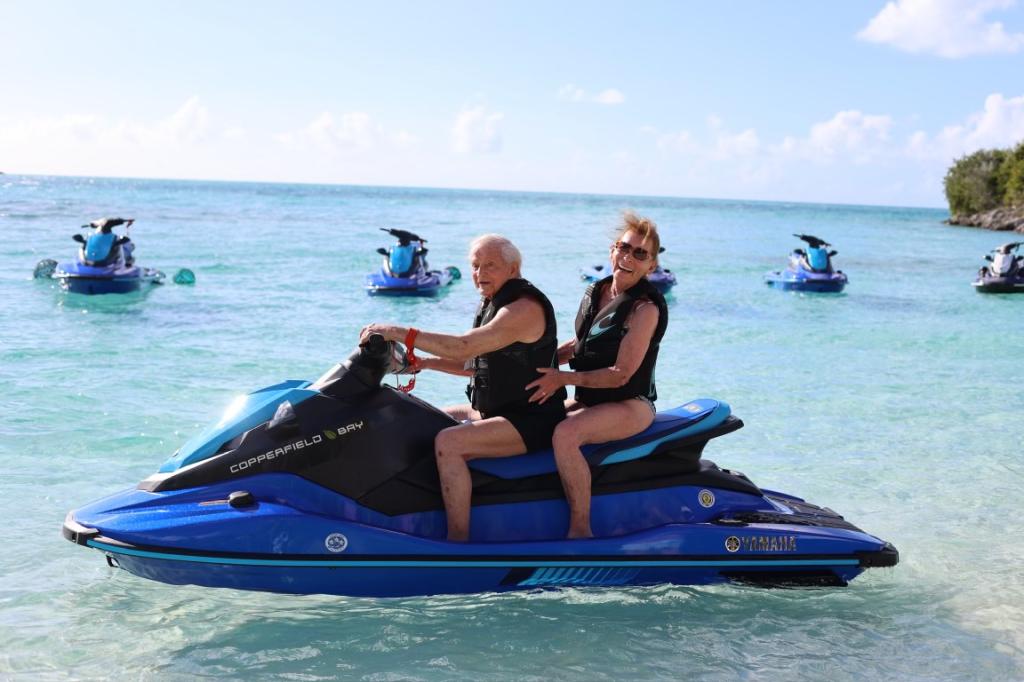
<point x="1011" y="177"/>
<point x="973" y="184"/>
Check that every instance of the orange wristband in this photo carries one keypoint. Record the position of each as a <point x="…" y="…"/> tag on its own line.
<point x="410" y="356"/>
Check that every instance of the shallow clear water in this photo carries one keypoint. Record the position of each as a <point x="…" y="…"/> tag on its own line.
<point x="896" y="403"/>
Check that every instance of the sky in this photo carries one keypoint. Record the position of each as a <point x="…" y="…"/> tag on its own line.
<point x="842" y="102"/>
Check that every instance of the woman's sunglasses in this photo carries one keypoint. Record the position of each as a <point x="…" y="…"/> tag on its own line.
<point x="637" y="252"/>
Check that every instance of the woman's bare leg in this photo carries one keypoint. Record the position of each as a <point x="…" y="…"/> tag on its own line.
<point x="597" y="424"/>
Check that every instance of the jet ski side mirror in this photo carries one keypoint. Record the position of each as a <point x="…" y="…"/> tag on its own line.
<point x="833" y="252"/>
<point x="382" y="251"/>
<point x="78" y="238"/>
<point x="988" y="257"/>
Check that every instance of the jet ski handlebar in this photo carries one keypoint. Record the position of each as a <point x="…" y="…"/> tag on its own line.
<point x="105" y="225"/>
<point x="365" y="368"/>
<point x="813" y="241"/>
<point x="404" y="237"/>
<point x="370" y="360"/>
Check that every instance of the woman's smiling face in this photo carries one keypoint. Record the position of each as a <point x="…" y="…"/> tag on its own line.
<point x="631" y="260"/>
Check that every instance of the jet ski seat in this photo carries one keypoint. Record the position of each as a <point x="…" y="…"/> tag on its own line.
<point x="683" y="422"/>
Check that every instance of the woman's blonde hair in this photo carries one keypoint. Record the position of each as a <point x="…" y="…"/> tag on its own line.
<point x="642" y="227"/>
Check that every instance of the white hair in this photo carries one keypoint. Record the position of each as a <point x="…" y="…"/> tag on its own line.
<point x="509" y="253"/>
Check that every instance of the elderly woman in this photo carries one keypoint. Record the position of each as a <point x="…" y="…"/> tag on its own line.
<point x="618" y="329"/>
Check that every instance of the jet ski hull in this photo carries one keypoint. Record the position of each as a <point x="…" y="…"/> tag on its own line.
<point x="999" y="285"/>
<point x="667" y="555"/>
<point x="788" y="280"/>
<point x="430" y="283"/>
<point x="809" y="270"/>
<point x="663" y="280"/>
<point x="298" y="542"/>
<point x="76" y="278"/>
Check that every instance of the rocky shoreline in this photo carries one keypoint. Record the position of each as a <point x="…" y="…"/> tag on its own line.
<point x="998" y="219"/>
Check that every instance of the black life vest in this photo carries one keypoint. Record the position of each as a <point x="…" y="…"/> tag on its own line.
<point x="499" y="378"/>
<point x="599" y="334"/>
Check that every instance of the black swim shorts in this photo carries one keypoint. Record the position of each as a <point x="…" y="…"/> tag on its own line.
<point x="536" y="427"/>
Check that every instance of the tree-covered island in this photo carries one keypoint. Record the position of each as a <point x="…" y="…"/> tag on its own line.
<point x="986" y="189"/>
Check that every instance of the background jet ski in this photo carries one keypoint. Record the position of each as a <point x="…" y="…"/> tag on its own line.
<point x="1005" y="272"/>
<point x="661" y="278"/>
<point x="404" y="270"/>
<point x="105" y="263"/>
<point x="809" y="270"/>
<point x="332" y="487"/>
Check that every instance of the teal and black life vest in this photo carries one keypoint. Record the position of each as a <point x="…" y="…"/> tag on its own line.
<point x="599" y="334"/>
<point x="500" y="377"/>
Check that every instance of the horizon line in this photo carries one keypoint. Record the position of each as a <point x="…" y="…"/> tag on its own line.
<point x="473" y="189"/>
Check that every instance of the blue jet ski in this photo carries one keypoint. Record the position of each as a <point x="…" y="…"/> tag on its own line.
<point x="1005" y="272"/>
<point x="105" y="263"/>
<point x="809" y="270"/>
<point x="404" y="270"/>
<point x="331" y="487"/>
<point x="662" y="278"/>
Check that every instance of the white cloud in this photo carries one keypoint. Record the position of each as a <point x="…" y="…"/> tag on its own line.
<point x="477" y="131"/>
<point x="350" y="131"/>
<point x="999" y="124"/>
<point x="847" y="140"/>
<point x="609" y="96"/>
<point x="850" y="132"/>
<point x="721" y="145"/>
<point x="680" y="142"/>
<point x="403" y="139"/>
<point x="728" y="146"/>
<point x="354" y="130"/>
<point x="850" y="138"/>
<point x="73" y="128"/>
<point x="188" y="142"/>
<point x="187" y="126"/>
<point x="571" y="93"/>
<point x="234" y="133"/>
<point x="850" y="156"/>
<point x="948" y="28"/>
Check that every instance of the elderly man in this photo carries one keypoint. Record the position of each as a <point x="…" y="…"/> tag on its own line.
<point x="513" y="334"/>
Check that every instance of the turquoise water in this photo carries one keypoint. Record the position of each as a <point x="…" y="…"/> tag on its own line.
<point x="897" y="404"/>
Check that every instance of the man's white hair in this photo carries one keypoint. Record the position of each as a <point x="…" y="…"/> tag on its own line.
<point x="509" y="253"/>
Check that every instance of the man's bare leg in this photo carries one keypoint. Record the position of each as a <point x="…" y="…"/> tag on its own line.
<point x="453" y="448"/>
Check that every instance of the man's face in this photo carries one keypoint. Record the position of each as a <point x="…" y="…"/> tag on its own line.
<point x="490" y="271"/>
